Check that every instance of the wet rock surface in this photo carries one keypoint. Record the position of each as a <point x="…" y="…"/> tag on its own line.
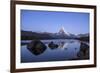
<point x="84" y="51"/>
<point x="36" y="47"/>
<point x="52" y="45"/>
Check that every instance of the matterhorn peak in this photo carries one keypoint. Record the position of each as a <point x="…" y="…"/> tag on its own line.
<point x="63" y="31"/>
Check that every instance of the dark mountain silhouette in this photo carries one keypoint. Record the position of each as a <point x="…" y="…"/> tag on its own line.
<point x="83" y="37"/>
<point x="29" y="35"/>
<point x="61" y="34"/>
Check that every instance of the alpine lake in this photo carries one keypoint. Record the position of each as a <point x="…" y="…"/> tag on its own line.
<point x="64" y="50"/>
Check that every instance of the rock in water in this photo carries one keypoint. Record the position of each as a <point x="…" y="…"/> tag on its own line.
<point x="36" y="47"/>
<point x="52" y="45"/>
<point x="84" y="51"/>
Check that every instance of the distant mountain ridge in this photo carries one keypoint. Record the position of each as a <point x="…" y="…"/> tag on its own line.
<point x="83" y="35"/>
<point x="29" y="35"/>
<point x="61" y="34"/>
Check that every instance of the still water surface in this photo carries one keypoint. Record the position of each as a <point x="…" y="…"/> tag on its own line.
<point x="67" y="51"/>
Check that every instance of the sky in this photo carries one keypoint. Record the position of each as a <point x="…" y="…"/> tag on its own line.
<point x="52" y="21"/>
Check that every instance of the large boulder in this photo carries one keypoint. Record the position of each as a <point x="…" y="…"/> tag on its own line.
<point x="84" y="51"/>
<point x="52" y="45"/>
<point x="36" y="47"/>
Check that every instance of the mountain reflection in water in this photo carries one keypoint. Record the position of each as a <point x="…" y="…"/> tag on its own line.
<point x="66" y="50"/>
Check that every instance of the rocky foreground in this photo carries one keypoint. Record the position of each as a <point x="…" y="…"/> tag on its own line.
<point x="37" y="47"/>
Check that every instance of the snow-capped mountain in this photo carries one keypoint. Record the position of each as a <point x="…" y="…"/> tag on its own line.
<point x="61" y="34"/>
<point x="62" y="31"/>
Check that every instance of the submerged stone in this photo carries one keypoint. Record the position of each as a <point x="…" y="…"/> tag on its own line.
<point x="52" y="45"/>
<point x="36" y="47"/>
